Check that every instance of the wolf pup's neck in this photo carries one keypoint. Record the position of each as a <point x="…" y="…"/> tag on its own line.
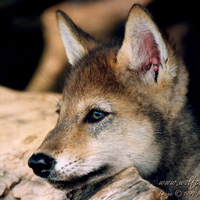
<point x="179" y="166"/>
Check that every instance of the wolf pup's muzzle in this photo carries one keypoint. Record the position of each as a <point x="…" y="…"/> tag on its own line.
<point x="41" y="164"/>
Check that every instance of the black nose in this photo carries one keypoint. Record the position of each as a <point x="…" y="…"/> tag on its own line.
<point x="41" y="164"/>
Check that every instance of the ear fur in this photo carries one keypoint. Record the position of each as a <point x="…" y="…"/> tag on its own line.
<point x="144" y="52"/>
<point x="143" y="47"/>
<point x="77" y="43"/>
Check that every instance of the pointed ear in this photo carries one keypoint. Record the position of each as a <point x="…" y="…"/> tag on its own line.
<point x="77" y="43"/>
<point x="143" y="48"/>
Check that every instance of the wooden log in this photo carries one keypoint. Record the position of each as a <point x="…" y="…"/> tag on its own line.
<point x="25" y="119"/>
<point x="126" y="185"/>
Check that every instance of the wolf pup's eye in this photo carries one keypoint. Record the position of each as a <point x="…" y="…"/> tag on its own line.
<point x="95" y="116"/>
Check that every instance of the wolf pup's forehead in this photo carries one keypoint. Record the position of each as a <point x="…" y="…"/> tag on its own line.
<point x="95" y="70"/>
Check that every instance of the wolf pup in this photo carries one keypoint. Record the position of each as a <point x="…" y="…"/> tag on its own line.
<point x="122" y="105"/>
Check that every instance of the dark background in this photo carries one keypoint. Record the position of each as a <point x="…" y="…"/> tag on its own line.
<point x="21" y="41"/>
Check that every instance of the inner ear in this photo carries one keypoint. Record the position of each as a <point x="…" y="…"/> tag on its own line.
<point x="148" y="52"/>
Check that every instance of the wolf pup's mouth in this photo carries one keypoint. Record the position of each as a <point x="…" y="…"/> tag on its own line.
<point x="79" y="181"/>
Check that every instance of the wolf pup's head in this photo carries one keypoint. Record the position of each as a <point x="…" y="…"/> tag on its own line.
<point x="115" y="104"/>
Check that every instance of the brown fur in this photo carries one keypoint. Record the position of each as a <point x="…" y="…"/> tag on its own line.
<point x="141" y="88"/>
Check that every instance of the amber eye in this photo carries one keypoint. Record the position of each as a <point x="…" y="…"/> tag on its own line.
<point x="95" y="116"/>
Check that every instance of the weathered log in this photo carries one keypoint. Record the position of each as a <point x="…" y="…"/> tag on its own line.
<point x="126" y="185"/>
<point x="25" y="119"/>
